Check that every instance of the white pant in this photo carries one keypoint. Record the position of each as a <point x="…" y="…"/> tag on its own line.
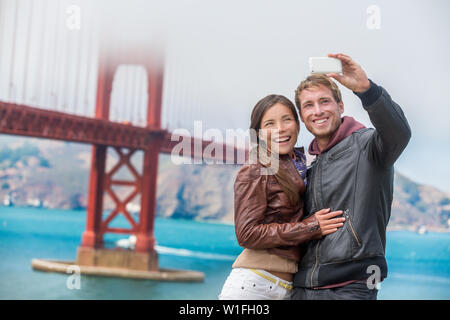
<point x="244" y="284"/>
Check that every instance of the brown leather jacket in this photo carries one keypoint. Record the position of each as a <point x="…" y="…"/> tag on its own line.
<point x="263" y="216"/>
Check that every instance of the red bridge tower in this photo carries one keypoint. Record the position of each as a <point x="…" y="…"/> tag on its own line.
<point x="92" y="252"/>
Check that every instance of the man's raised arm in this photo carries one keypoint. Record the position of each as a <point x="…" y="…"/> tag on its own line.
<point x="392" y="129"/>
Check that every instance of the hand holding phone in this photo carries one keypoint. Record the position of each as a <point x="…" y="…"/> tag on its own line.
<point x="353" y="76"/>
<point x="325" y="65"/>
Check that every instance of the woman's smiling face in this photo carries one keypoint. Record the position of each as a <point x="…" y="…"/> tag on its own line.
<point x="278" y="128"/>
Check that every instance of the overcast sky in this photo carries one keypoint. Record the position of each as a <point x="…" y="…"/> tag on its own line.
<point x="223" y="56"/>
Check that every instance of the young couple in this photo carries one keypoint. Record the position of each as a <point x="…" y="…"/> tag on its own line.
<point x="317" y="233"/>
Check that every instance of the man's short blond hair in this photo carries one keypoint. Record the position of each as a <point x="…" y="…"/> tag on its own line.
<point x="316" y="80"/>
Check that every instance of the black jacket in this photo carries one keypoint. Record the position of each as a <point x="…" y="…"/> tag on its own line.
<point x="356" y="176"/>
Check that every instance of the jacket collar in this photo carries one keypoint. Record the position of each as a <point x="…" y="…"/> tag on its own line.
<point x="347" y="127"/>
<point x="298" y="151"/>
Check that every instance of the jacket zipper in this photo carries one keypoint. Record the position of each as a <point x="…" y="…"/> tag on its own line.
<point x="347" y="217"/>
<point x="317" y="207"/>
<point x="315" y="266"/>
<point x="315" y="182"/>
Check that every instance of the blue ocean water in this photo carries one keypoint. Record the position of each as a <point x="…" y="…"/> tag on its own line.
<point x="419" y="265"/>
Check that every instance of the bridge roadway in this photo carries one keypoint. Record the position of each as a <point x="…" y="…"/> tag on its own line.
<point x="17" y="119"/>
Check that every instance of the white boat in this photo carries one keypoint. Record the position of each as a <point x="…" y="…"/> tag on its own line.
<point x="422" y="230"/>
<point x="127" y="243"/>
<point x="7" y="201"/>
<point x="34" y="202"/>
<point x="133" y="208"/>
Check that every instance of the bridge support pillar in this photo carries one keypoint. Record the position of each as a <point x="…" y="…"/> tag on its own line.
<point x="145" y="241"/>
<point x="93" y="236"/>
<point x="117" y="258"/>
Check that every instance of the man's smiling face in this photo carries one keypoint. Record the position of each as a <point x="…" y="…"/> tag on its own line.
<point x="320" y="112"/>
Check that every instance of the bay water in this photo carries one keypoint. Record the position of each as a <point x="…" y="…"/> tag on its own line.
<point x="419" y="265"/>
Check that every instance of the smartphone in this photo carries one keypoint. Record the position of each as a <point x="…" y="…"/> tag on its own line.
<point x="325" y="65"/>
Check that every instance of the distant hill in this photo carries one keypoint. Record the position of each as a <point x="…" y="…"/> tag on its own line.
<point x="56" y="174"/>
<point x="415" y="205"/>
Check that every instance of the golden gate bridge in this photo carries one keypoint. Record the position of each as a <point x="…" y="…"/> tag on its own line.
<point x="68" y="86"/>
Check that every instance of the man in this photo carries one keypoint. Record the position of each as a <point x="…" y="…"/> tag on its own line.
<point x="352" y="172"/>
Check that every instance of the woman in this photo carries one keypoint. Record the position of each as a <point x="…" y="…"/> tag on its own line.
<point x="269" y="209"/>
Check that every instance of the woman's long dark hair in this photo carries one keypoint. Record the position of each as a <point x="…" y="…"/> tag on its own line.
<point x="286" y="182"/>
